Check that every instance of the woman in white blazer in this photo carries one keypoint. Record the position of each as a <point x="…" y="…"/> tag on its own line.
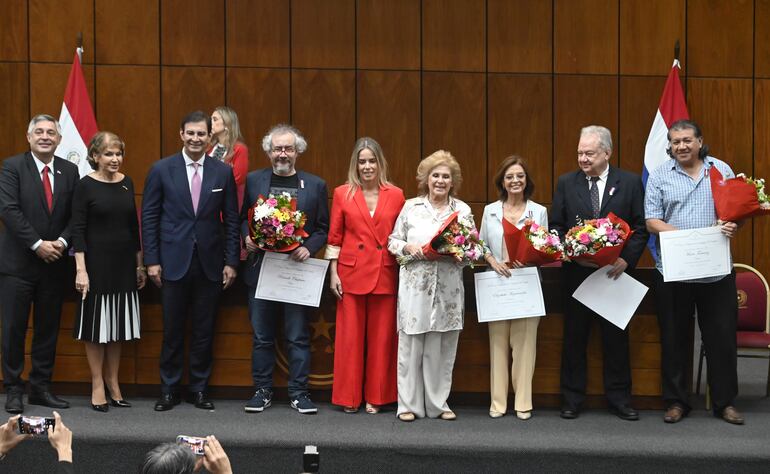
<point x="517" y="335"/>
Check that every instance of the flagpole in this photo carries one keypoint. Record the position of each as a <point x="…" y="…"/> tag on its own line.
<point x="79" y="49"/>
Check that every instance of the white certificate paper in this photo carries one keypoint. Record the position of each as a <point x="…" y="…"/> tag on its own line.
<point x="499" y="298"/>
<point x="614" y="300"/>
<point x="694" y="253"/>
<point x="282" y="279"/>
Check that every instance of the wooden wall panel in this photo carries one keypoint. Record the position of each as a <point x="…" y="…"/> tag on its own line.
<point x="260" y="97"/>
<point x="762" y="38"/>
<point x="761" y="169"/>
<point x="521" y="123"/>
<point x="323" y="34"/>
<point x="720" y="38"/>
<point x="127" y="32"/>
<point x="723" y="108"/>
<point x="581" y="101"/>
<point x="55" y="30"/>
<point x="192" y="32"/>
<point x="388" y="34"/>
<point x="648" y="31"/>
<point x="258" y="33"/>
<point x="184" y="90"/>
<point x="388" y="110"/>
<point x="14" y="107"/>
<point x="639" y="100"/>
<point x="453" y="120"/>
<point x="324" y="110"/>
<point x="46" y="87"/>
<point x="13" y="35"/>
<point x="453" y="35"/>
<point x="586" y="36"/>
<point x="138" y="104"/>
<point x="519" y="35"/>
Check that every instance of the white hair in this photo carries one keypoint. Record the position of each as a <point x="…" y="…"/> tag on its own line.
<point x="42" y="118"/>
<point x="603" y="133"/>
<point x="299" y="141"/>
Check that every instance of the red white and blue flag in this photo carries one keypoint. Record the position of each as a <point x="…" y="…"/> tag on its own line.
<point x="77" y="119"/>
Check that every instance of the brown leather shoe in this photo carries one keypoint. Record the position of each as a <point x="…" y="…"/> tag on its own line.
<point x="732" y="416"/>
<point x="674" y="414"/>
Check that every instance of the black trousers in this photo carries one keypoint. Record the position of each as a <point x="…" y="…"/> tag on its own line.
<point x="17" y="296"/>
<point x="197" y="298"/>
<point x="578" y="320"/>
<point x="717" y="307"/>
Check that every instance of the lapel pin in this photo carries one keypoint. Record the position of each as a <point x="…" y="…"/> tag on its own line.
<point x="124" y="188"/>
<point x="302" y="183"/>
<point x="612" y="190"/>
<point x="58" y="171"/>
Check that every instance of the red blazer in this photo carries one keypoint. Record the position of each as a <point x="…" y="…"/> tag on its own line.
<point x="365" y="266"/>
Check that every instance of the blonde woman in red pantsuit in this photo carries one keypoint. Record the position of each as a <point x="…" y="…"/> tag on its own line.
<point x="364" y="278"/>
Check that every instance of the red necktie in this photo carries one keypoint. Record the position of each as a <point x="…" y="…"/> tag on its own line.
<point x="47" y="189"/>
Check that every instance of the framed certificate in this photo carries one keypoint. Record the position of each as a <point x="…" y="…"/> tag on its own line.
<point x="282" y="279"/>
<point x="518" y="296"/>
<point x="694" y="253"/>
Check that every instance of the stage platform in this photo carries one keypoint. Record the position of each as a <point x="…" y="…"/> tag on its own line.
<point x="273" y="441"/>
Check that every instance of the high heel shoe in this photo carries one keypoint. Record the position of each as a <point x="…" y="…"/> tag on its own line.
<point x="116" y="403"/>
<point x="104" y="408"/>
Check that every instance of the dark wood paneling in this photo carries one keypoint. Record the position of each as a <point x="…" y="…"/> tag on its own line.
<point x="126" y="107"/>
<point x="582" y="101"/>
<point x="13" y="35"/>
<point x="586" y="36"/>
<point x="453" y="33"/>
<point x="453" y="120"/>
<point x="55" y="30"/>
<point x="389" y="112"/>
<point x="639" y="100"/>
<point x="127" y="32"/>
<point x="14" y="107"/>
<point x="192" y="32"/>
<point x="185" y="89"/>
<point x="520" y="35"/>
<point x="720" y="38"/>
<point x="520" y="123"/>
<point x="258" y="33"/>
<point x="262" y="90"/>
<point x="648" y="31"/>
<point x="723" y="108"/>
<point x="388" y="34"/>
<point x="762" y="170"/>
<point x="323" y="108"/>
<point x="762" y="38"/>
<point x="47" y="84"/>
<point x="323" y="33"/>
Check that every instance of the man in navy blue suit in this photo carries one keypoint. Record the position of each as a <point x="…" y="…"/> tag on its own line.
<point x="283" y="144"/>
<point x="191" y="249"/>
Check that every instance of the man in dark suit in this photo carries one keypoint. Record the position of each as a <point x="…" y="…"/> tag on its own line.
<point x="283" y="144"/>
<point x="593" y="191"/>
<point x="35" y="205"/>
<point x="191" y="249"/>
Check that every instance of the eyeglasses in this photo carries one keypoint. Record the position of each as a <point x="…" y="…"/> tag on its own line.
<point x="588" y="154"/>
<point x="283" y="149"/>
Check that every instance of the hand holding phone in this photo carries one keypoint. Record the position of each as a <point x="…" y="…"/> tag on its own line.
<point x="195" y="443"/>
<point x="35" y="425"/>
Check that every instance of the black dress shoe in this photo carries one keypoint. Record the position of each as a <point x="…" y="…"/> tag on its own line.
<point x="119" y="403"/>
<point x="47" y="399"/>
<point x="14" y="402"/>
<point x="200" y="400"/>
<point x="625" y="412"/>
<point x="167" y="401"/>
<point x="569" y="413"/>
<point x="104" y="408"/>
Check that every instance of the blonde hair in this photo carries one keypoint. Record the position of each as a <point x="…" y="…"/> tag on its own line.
<point x="439" y="158"/>
<point x="354" y="180"/>
<point x="99" y="144"/>
<point x="232" y="132"/>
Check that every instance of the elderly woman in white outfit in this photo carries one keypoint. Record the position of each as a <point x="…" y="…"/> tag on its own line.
<point x="519" y="336"/>
<point x="431" y="297"/>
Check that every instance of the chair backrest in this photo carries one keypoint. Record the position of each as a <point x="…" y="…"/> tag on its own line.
<point x="753" y="299"/>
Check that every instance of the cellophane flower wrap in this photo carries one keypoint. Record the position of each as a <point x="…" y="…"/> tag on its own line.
<point x="275" y="224"/>
<point x="533" y="244"/>
<point x="457" y="238"/>
<point x="597" y="241"/>
<point x="738" y="198"/>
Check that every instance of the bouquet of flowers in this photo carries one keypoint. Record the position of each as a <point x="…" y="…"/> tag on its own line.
<point x="533" y="244"/>
<point x="457" y="238"/>
<point x="738" y="198"/>
<point x="597" y="241"/>
<point x="275" y="224"/>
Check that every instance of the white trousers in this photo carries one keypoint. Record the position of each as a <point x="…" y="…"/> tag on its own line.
<point x="425" y="363"/>
<point x="517" y="337"/>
